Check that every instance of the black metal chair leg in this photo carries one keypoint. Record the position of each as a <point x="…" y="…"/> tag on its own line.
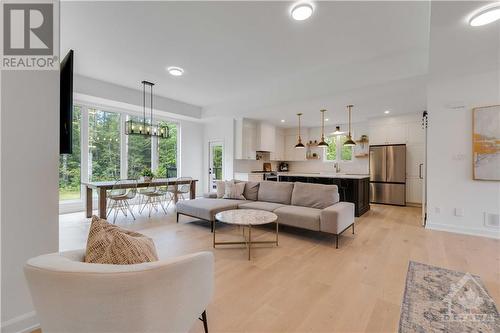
<point x="177" y="217"/>
<point x="204" y="320"/>
<point x="336" y="241"/>
<point x="353" y="228"/>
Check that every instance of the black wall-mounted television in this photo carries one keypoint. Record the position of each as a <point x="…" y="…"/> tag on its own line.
<point x="66" y="105"/>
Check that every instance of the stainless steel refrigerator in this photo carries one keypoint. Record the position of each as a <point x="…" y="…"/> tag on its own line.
<point x="388" y="174"/>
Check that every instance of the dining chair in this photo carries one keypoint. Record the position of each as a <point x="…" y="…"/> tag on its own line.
<point x="185" y="187"/>
<point x="155" y="196"/>
<point x="142" y="193"/>
<point x="123" y="191"/>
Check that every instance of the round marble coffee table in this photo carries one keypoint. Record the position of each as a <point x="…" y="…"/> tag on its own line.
<point x="246" y="218"/>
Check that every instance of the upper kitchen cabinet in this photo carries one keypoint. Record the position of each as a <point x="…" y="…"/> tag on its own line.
<point x="245" y="145"/>
<point x="266" y="137"/>
<point x="279" y="146"/>
<point x="392" y="133"/>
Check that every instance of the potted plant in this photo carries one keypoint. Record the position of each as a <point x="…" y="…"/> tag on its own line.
<point x="147" y="174"/>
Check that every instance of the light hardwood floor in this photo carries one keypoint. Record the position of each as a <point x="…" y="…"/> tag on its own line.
<point x="306" y="285"/>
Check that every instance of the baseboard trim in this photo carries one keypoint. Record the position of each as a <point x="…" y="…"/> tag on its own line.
<point x="495" y="234"/>
<point x="25" y="323"/>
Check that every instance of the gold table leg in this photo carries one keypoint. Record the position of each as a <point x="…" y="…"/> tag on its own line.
<point x="249" y="239"/>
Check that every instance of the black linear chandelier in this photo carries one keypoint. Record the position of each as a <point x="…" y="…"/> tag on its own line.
<point x="146" y="128"/>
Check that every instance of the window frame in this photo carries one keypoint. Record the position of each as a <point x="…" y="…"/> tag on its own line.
<point x="77" y="204"/>
<point x="338" y="151"/>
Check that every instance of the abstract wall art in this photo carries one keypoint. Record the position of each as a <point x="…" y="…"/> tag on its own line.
<point x="486" y="143"/>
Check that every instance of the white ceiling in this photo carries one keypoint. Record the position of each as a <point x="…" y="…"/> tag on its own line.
<point x="251" y="59"/>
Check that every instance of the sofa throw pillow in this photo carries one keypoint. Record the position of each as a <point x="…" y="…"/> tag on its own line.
<point x="109" y="244"/>
<point x="221" y="188"/>
<point x="234" y="190"/>
<point x="251" y="189"/>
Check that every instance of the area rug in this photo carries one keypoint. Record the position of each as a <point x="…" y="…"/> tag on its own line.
<point x="442" y="300"/>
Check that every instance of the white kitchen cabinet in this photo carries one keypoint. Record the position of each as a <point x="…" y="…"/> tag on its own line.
<point x="414" y="160"/>
<point x="392" y="133"/>
<point x="266" y="137"/>
<point x="414" y="187"/>
<point x="245" y="139"/>
<point x="416" y="134"/>
<point x="278" y="154"/>
<point x="292" y="153"/>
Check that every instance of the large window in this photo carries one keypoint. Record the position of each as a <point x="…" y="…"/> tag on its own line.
<point x="104" y="145"/>
<point x="167" y="152"/>
<point x="69" y="164"/>
<point x="336" y="150"/>
<point x="139" y="153"/>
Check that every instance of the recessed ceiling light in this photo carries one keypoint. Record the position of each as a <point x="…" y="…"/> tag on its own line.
<point x="175" y="71"/>
<point x="387" y="111"/>
<point x="282" y="120"/>
<point x="302" y="11"/>
<point x="485" y="15"/>
<point x="326" y="119"/>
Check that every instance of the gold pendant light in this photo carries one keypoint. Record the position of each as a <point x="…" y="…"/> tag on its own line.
<point x="322" y="143"/>
<point x="299" y="144"/>
<point x="349" y="142"/>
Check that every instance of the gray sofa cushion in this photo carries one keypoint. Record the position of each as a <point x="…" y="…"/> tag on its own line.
<point x="302" y="217"/>
<point x="278" y="192"/>
<point x="314" y="195"/>
<point x="262" y="205"/>
<point x="205" y="208"/>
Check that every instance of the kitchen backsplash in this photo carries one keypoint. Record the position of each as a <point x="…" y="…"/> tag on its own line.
<point x="250" y="165"/>
<point x="357" y="166"/>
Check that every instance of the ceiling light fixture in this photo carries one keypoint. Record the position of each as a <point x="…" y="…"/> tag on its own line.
<point x="327" y="119"/>
<point x="387" y="111"/>
<point x="282" y="120"/>
<point x="175" y="71"/>
<point x="485" y="15"/>
<point x="349" y="142"/>
<point x="302" y="11"/>
<point x="299" y="141"/>
<point x="322" y="143"/>
<point x="146" y="128"/>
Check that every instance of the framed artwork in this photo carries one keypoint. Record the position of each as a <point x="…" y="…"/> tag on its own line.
<point x="486" y="143"/>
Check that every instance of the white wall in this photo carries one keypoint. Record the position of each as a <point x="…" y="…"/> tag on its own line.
<point x="464" y="73"/>
<point x="219" y="129"/>
<point x="29" y="184"/>
<point x="191" y="138"/>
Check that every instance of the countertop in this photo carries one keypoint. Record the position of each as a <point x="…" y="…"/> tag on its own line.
<point x="323" y="175"/>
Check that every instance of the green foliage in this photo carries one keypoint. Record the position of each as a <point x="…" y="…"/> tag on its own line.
<point x="146" y="172"/>
<point x="104" y="152"/>
<point x="336" y="143"/>
<point x="217" y="162"/>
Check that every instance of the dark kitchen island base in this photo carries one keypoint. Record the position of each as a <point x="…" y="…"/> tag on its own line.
<point x="355" y="190"/>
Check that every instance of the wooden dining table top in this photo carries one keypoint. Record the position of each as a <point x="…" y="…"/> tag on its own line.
<point x="127" y="183"/>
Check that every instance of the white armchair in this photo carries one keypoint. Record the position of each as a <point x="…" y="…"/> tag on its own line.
<point x="164" y="296"/>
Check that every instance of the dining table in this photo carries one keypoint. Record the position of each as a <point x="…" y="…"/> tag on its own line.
<point x="103" y="186"/>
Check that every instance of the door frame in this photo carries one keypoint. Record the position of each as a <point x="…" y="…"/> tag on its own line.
<point x="215" y="142"/>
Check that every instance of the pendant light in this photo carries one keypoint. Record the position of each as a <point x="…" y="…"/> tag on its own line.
<point x="349" y="142"/>
<point x="146" y="128"/>
<point x="337" y="131"/>
<point x="322" y="143"/>
<point x="299" y="144"/>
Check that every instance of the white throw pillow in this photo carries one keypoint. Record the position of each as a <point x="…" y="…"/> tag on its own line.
<point x="221" y="188"/>
<point x="234" y="191"/>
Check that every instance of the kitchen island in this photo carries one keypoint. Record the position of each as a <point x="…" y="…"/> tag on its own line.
<point x="352" y="188"/>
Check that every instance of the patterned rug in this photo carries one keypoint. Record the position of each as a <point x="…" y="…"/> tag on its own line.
<point x="442" y="300"/>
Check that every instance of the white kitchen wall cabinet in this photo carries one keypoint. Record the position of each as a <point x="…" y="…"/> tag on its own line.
<point x="279" y="146"/>
<point x="392" y="133"/>
<point x="266" y="137"/>
<point x="245" y="139"/>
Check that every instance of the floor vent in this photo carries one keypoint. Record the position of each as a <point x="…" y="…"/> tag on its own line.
<point x="492" y="220"/>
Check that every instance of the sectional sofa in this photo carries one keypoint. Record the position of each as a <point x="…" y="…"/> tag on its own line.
<point x="303" y="205"/>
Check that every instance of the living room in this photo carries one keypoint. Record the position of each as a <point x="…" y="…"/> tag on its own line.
<point x="318" y="166"/>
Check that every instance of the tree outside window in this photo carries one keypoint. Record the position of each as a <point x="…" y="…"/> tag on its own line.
<point x="104" y="145"/>
<point x="69" y="164"/>
<point x="336" y="150"/>
<point x="167" y="152"/>
<point x="139" y="152"/>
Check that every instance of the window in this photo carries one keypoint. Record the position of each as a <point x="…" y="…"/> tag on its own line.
<point x="104" y="145"/>
<point x="336" y="150"/>
<point x="69" y="164"/>
<point x="167" y="152"/>
<point x="139" y="153"/>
